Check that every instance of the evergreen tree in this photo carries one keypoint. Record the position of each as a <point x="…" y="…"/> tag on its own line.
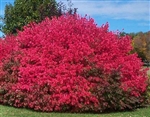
<point x="26" y="11"/>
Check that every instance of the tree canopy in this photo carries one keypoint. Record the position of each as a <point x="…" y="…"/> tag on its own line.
<point x="26" y="11"/>
<point x="141" y="44"/>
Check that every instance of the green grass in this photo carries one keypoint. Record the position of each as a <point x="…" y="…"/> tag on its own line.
<point x="6" y="111"/>
<point x="148" y="72"/>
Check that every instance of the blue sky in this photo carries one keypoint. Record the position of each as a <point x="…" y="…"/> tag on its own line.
<point x="123" y="15"/>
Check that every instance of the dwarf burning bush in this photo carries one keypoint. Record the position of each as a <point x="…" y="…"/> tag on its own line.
<point x="71" y="64"/>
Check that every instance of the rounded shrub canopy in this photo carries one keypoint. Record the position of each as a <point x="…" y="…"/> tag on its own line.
<point x="70" y="64"/>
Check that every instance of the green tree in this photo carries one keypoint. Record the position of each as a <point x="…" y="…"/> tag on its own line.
<point x="26" y="11"/>
<point x="141" y="44"/>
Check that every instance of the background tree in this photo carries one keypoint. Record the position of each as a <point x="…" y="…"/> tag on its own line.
<point x="26" y="11"/>
<point x="141" y="44"/>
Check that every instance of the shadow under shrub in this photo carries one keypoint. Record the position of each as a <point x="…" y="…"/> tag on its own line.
<point x="68" y="64"/>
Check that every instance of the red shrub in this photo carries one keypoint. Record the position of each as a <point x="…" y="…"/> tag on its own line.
<point x="70" y="64"/>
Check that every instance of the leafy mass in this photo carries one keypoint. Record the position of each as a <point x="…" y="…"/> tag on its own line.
<point x="69" y="64"/>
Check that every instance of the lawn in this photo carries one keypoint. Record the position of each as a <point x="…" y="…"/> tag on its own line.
<point x="6" y="111"/>
<point x="148" y="72"/>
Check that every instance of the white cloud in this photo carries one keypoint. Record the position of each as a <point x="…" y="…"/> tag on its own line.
<point x="133" y="10"/>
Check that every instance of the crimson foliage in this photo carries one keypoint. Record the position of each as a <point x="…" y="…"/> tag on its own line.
<point x="70" y="64"/>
